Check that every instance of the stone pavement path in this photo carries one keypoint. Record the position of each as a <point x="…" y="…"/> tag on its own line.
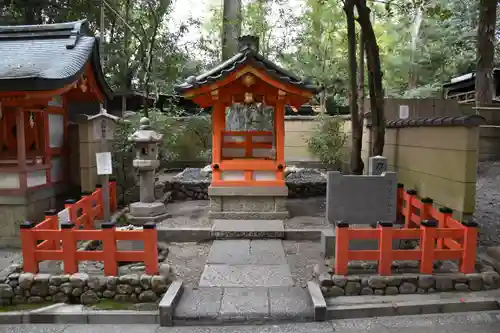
<point x="483" y="322"/>
<point x="245" y="280"/>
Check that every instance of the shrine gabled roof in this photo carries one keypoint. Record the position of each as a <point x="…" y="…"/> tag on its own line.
<point x="249" y="56"/>
<point x="47" y="57"/>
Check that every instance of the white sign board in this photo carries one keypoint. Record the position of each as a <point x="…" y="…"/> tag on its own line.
<point x="63" y="216"/>
<point x="404" y="112"/>
<point x="104" y="164"/>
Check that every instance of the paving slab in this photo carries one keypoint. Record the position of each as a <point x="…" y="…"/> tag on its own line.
<point x="230" y="252"/>
<point x="290" y="302"/>
<point x="246" y="276"/>
<point x="105" y="329"/>
<point x="202" y="303"/>
<point x="244" y="303"/>
<point x="267" y="252"/>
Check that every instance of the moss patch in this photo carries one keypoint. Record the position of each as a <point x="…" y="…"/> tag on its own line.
<point x="107" y="304"/>
<point x="23" y="307"/>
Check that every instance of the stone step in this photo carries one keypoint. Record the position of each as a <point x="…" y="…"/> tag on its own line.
<point x="248" y="229"/>
<point x="167" y="234"/>
<point x="213" y="306"/>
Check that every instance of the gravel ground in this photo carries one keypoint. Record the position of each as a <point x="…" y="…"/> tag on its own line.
<point x="188" y="260"/>
<point x="302" y="257"/>
<point x="304" y="214"/>
<point x="186" y="214"/>
<point x="488" y="204"/>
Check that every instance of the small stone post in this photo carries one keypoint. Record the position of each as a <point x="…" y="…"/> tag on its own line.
<point x="146" y="161"/>
<point x="377" y="165"/>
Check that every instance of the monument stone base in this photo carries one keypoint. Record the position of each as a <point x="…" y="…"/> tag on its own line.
<point x="141" y="213"/>
<point x="248" y="203"/>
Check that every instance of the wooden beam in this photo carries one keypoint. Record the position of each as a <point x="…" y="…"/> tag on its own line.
<point x="279" y="132"/>
<point x="21" y="147"/>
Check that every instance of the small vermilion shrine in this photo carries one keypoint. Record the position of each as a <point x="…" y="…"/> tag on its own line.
<point x="248" y="94"/>
<point x="49" y="75"/>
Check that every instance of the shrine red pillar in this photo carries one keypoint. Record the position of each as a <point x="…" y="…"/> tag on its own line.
<point x="279" y="132"/>
<point x="21" y="148"/>
<point x="218" y="126"/>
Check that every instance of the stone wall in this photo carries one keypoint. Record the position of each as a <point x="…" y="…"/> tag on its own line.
<point x="340" y="285"/>
<point x="421" y="152"/>
<point x="19" y="288"/>
<point x="190" y="186"/>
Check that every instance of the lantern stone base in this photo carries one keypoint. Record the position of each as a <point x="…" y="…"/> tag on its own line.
<point x="248" y="203"/>
<point x="141" y="212"/>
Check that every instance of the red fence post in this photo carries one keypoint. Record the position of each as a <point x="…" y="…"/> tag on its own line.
<point x="28" y="243"/>
<point x="444" y="214"/>
<point x="113" y="203"/>
<point x="87" y="210"/>
<point x="150" y="248"/>
<point x="98" y="187"/>
<point x="341" y="248"/>
<point x="385" y="248"/>
<point x="426" y="211"/>
<point x="54" y="225"/>
<point x="69" y="248"/>
<point x="409" y="196"/>
<point x="468" y="262"/>
<point x="109" y="248"/>
<point x="400" y="201"/>
<point x="427" y="244"/>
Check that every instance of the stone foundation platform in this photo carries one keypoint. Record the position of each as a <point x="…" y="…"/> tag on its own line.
<point x="248" y="203"/>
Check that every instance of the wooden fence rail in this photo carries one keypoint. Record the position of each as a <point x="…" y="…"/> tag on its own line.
<point x="441" y="238"/>
<point x="61" y="244"/>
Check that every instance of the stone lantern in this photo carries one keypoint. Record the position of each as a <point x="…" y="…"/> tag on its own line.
<point x="146" y="161"/>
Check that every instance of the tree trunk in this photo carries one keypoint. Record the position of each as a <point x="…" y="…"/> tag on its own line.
<point x="126" y="83"/>
<point x="356" y="163"/>
<point x="149" y="63"/>
<point x="361" y="97"/>
<point x="29" y="14"/>
<point x="374" y="79"/>
<point x="485" y="52"/>
<point x="231" y="27"/>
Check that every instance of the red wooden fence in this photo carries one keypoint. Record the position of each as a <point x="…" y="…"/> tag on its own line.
<point x="441" y="237"/>
<point x="60" y="243"/>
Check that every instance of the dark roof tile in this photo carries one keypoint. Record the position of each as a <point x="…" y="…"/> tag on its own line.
<point x="46" y="57"/>
<point x="468" y="121"/>
<point x="246" y="56"/>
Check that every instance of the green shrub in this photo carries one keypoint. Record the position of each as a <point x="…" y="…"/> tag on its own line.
<point x="184" y="140"/>
<point x="328" y="140"/>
